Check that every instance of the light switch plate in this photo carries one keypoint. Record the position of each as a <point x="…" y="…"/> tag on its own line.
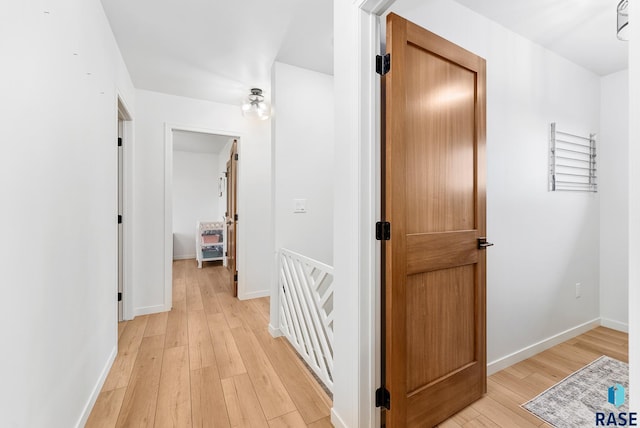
<point x="299" y="206"/>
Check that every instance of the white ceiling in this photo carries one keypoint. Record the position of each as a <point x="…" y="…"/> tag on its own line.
<point x="219" y="49"/>
<point x="198" y="142"/>
<point x="583" y="31"/>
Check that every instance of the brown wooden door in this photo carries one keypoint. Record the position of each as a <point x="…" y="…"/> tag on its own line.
<point x="232" y="222"/>
<point x="435" y="201"/>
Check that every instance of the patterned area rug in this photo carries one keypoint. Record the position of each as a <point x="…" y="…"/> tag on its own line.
<point x="574" y="401"/>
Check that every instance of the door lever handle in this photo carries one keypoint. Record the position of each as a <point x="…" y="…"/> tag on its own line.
<point x="483" y="244"/>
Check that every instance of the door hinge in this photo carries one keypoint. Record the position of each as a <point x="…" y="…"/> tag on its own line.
<point x="226" y="253"/>
<point x="119" y="297"/>
<point x="119" y="219"/>
<point x="383" y="64"/>
<point x="383" y="231"/>
<point x="383" y="398"/>
<point x="236" y="156"/>
<point x="119" y="142"/>
<point x="235" y="217"/>
<point x="235" y="277"/>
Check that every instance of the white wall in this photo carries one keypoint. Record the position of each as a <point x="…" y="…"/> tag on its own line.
<point x="634" y="208"/>
<point x="545" y="242"/>
<point x="349" y="299"/>
<point x="58" y="180"/>
<point x="154" y="110"/>
<point x="613" y="185"/>
<point x="195" y="197"/>
<point x="304" y="155"/>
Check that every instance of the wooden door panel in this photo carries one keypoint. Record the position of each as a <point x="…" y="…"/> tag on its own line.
<point x="432" y="405"/>
<point x="440" y="148"/>
<point x="433" y="251"/>
<point x="434" y="188"/>
<point x="440" y="324"/>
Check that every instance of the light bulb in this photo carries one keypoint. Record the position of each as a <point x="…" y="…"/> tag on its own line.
<point x="255" y="106"/>
<point x="623" y="20"/>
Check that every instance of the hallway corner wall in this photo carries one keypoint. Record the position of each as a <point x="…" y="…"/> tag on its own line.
<point x="634" y="208"/>
<point x="304" y="158"/>
<point x="62" y="73"/>
<point x="613" y="187"/>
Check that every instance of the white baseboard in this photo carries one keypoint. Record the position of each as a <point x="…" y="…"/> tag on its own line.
<point x="84" y="416"/>
<point x="146" y="310"/>
<point x="275" y="332"/>
<point x="615" y="325"/>
<point x="337" y="420"/>
<point x="185" y="257"/>
<point x="536" y="348"/>
<point x="254" y="295"/>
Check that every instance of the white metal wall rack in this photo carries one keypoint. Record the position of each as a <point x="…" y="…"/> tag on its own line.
<point x="572" y="162"/>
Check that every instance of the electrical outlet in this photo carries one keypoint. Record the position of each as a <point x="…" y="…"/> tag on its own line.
<point x="578" y="290"/>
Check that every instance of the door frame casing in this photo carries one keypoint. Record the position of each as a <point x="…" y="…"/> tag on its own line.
<point x="168" y="204"/>
<point x="127" y="207"/>
<point x="370" y="191"/>
<point x="358" y="123"/>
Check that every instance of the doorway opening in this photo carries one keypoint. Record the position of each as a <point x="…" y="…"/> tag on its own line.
<point x="197" y="215"/>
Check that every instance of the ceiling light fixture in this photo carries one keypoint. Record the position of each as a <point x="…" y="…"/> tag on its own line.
<point x="255" y="106"/>
<point x="623" y="20"/>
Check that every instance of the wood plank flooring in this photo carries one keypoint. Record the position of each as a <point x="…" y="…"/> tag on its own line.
<point x="509" y="388"/>
<point x="210" y="362"/>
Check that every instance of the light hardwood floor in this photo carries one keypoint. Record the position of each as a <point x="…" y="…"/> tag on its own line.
<point x="211" y="362"/>
<point x="515" y="385"/>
